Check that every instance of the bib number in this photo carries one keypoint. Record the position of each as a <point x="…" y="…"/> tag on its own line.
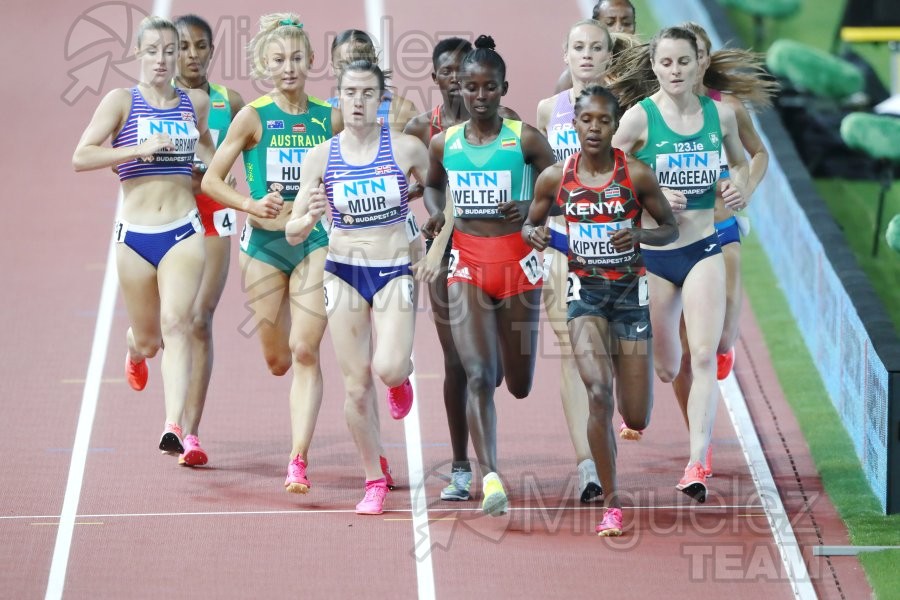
<point x="246" y="232"/>
<point x="532" y="267"/>
<point x="451" y="264"/>
<point x="643" y="291"/>
<point x="119" y="231"/>
<point x="225" y="222"/>
<point x="412" y="228"/>
<point x="573" y="288"/>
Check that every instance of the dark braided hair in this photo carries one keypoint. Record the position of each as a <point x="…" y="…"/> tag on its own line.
<point x="597" y="91"/>
<point x="484" y="54"/>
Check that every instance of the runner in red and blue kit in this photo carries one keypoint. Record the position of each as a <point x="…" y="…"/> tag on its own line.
<point x="603" y="196"/>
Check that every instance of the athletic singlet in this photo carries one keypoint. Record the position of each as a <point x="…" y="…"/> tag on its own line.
<point x="723" y="160"/>
<point x="273" y="165"/>
<point x="481" y="177"/>
<point x="179" y="123"/>
<point x="372" y="195"/>
<point x="687" y="163"/>
<point x="560" y="131"/>
<point x="434" y="127"/>
<point x="219" y="112"/>
<point x="384" y="108"/>
<point x="593" y="215"/>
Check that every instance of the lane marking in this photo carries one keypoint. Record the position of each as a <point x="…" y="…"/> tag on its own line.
<point x="57" y="577"/>
<point x="779" y="520"/>
<point x="380" y="27"/>
<point x="349" y="511"/>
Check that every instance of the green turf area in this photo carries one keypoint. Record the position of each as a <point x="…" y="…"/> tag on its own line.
<point x="851" y="202"/>
<point x="829" y="443"/>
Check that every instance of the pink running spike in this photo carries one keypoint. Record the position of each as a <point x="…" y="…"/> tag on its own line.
<point x="194" y="455"/>
<point x="400" y="399"/>
<point x="296" y="482"/>
<point x="373" y="502"/>
<point x="611" y="525"/>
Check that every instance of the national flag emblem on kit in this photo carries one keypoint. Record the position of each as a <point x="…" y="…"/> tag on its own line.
<point x="187" y="116"/>
<point x="612" y="191"/>
<point x="383" y="170"/>
<point x="218" y="104"/>
<point x="298" y="128"/>
<point x="508" y="143"/>
<point x="275" y="124"/>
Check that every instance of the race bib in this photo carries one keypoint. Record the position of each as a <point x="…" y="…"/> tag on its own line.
<point x="573" y="288"/>
<point x="531" y="266"/>
<point x="367" y="202"/>
<point x="693" y="173"/>
<point x="476" y="194"/>
<point x="246" y="232"/>
<point x="453" y="261"/>
<point x="184" y="137"/>
<point x="412" y="228"/>
<point x="643" y="291"/>
<point x="591" y="242"/>
<point x="225" y="222"/>
<point x="283" y="169"/>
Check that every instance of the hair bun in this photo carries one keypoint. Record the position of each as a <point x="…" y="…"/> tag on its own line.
<point x="485" y="41"/>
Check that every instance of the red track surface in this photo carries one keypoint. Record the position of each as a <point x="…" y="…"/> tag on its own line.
<point x="147" y="527"/>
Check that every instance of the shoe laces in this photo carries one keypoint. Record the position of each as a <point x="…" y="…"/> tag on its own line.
<point x="461" y="480"/>
<point x="374" y="492"/>
<point x="613" y="516"/>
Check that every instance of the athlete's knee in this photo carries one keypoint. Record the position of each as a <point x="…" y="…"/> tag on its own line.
<point x="391" y="370"/>
<point x="147" y="345"/>
<point x="703" y="357"/>
<point x="278" y="362"/>
<point x="172" y="324"/>
<point x="480" y="383"/>
<point x="638" y="423"/>
<point x="666" y="373"/>
<point x="600" y="399"/>
<point x="519" y="387"/>
<point x="201" y="325"/>
<point x="357" y="398"/>
<point x="305" y="352"/>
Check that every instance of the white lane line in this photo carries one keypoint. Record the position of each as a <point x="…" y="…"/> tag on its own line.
<point x="586" y="8"/>
<point x="60" y="562"/>
<point x="348" y="511"/>
<point x="380" y="29"/>
<point x="89" y="397"/>
<point x="417" y="496"/>
<point x="779" y="521"/>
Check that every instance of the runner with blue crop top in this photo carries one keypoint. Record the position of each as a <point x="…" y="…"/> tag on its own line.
<point x="495" y="278"/>
<point x="219" y="223"/>
<point x="283" y="282"/>
<point x="361" y="177"/>
<point x="680" y="136"/>
<point x="586" y="52"/>
<point x="156" y="131"/>
<point x="603" y="196"/>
